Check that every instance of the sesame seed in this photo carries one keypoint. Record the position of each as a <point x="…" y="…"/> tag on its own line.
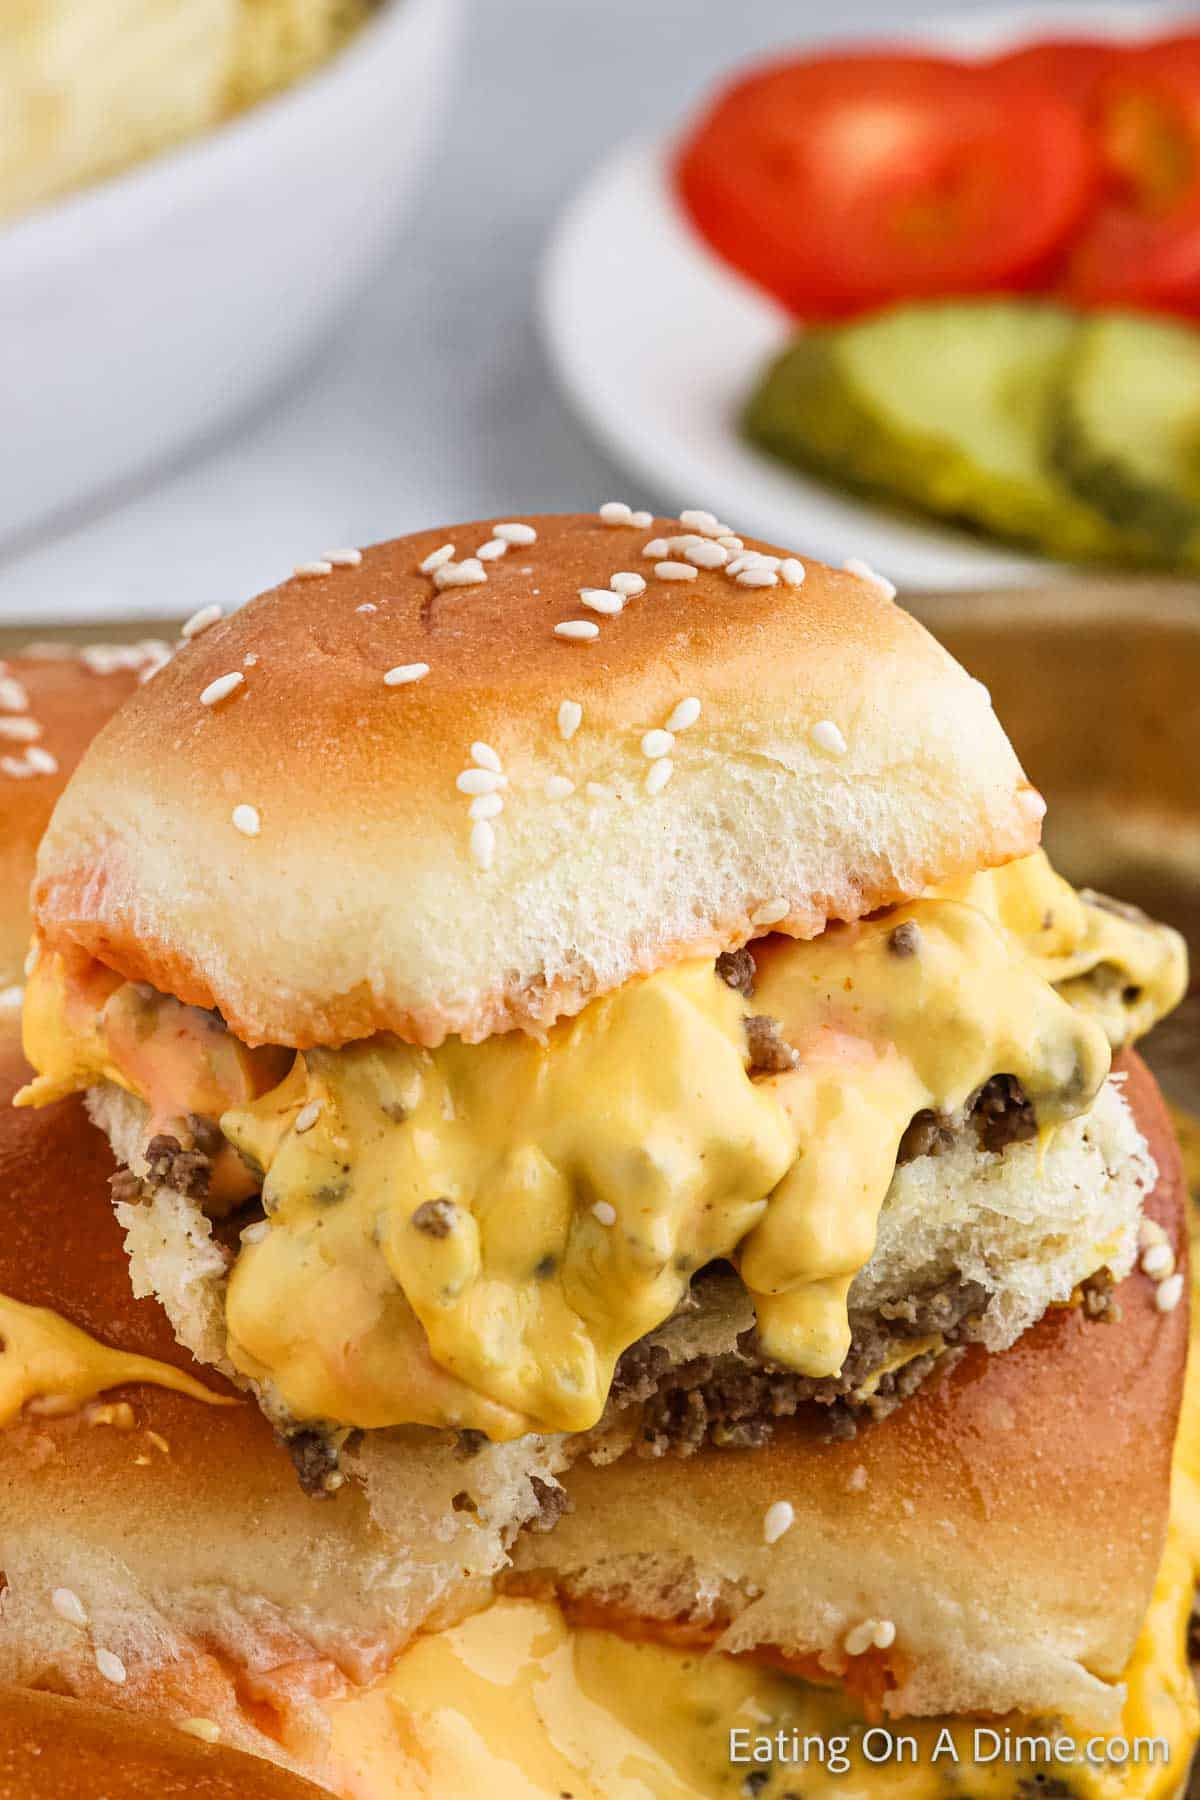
<point x="254" y="1234"/>
<point x="604" y="1212"/>
<point x="480" y="781"/>
<point x="615" y="512"/>
<point x="643" y="520"/>
<point x="246" y="820"/>
<point x="486" y="757"/>
<point x="570" y="718"/>
<point x="657" y="743"/>
<point x="515" y="533"/>
<point x="658" y="775"/>
<point x="1168" y="1293"/>
<point x="404" y="673"/>
<point x="1159" y="1260"/>
<point x="110" y="1666"/>
<point x="19" y="729"/>
<point x="41" y="760"/>
<point x="437" y="559"/>
<point x="731" y="542"/>
<point x="468" y="573"/>
<point x="17" y="767"/>
<point x="684" y="541"/>
<point x="628" y="583"/>
<point x="828" y="737"/>
<point x="854" y="565"/>
<point x="860" y="1638"/>
<point x="884" y="1634"/>
<point x="69" y="1606"/>
<point x="368" y="606"/>
<point x="200" y="621"/>
<point x="601" y="600"/>
<point x="704" y="522"/>
<point x="655" y="548"/>
<point x="752" y="559"/>
<point x="778" y="1518"/>
<point x="221" y="688"/>
<point x="579" y="629"/>
<point x="1149" y="1230"/>
<point x="308" y="1115"/>
<point x="250" y="660"/>
<point x="318" y="567"/>
<point x="856" y="1481"/>
<point x="13" y="697"/>
<point x="492" y="550"/>
<point x="685" y="714"/>
<point x="344" y="559"/>
<point x="770" y="913"/>
<point x="558" y="787"/>
<point x="757" y="578"/>
<point x="793" y="571"/>
<point x="706" y="555"/>
<point x="207" y="1730"/>
<point x="483" y="843"/>
<point x="486" y="806"/>
<point x="674" y="571"/>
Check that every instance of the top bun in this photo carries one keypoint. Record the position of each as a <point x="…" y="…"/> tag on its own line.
<point x="298" y="854"/>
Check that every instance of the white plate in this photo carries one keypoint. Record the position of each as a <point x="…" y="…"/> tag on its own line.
<point x="140" y="313"/>
<point x="657" y="344"/>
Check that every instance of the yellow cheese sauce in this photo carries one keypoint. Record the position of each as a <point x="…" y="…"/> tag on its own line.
<point x="471" y="1236"/>
<point x="46" y="1361"/>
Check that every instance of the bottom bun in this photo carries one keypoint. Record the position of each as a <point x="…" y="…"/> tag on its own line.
<point x="52" y="1748"/>
<point x="1005" y="1524"/>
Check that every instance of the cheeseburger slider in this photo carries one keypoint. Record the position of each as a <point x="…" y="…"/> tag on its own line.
<point x="566" y="993"/>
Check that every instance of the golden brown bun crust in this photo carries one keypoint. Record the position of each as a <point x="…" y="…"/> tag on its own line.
<point x="360" y="907"/>
<point x="227" y="1592"/>
<point x="52" y="1747"/>
<point x="1009" y="1519"/>
<point x="69" y="702"/>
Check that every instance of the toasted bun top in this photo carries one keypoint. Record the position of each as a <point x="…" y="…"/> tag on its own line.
<point x="840" y="761"/>
<point x="1008" y="1518"/>
<point x="53" y="704"/>
<point x="51" y="1747"/>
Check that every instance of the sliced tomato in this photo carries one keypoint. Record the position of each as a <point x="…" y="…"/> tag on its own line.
<point x="1141" y="246"/>
<point x="1070" y="67"/>
<point x="844" y="182"/>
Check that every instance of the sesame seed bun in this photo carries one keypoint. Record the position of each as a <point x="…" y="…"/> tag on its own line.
<point x="1008" y="1519"/>
<point x="293" y="847"/>
<point x="51" y="1747"/>
<point x="55" y="704"/>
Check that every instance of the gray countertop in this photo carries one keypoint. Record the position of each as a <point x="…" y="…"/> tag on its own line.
<point x="433" y="403"/>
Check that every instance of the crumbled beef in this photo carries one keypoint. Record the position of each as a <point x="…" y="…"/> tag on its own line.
<point x="1098" y="1294"/>
<point x="1001" y="1114"/>
<point x="470" y="1442"/>
<point x="552" y="1501"/>
<point x="1044" y="1787"/>
<point x="927" y="1134"/>
<point x="315" y="1456"/>
<point x="737" y="970"/>
<point x="125" y="1185"/>
<point x="170" y="1165"/>
<point x="435" y="1218"/>
<point x="770" y="1053"/>
<point x="207" y="1136"/>
<point x="732" y="1401"/>
<point x="905" y="940"/>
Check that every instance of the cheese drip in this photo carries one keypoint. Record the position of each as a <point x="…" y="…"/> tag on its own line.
<point x="471" y="1236"/>
<point x="46" y="1360"/>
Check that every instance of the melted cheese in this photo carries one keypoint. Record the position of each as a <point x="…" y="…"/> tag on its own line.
<point x="471" y="1236"/>
<point x="59" y="1368"/>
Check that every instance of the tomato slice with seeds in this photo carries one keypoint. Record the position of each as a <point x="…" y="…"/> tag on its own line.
<point x="841" y="183"/>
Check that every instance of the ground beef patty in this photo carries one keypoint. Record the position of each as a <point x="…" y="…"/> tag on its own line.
<point x="733" y="1401"/>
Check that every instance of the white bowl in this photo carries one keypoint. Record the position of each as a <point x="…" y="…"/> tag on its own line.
<point x="141" y="313"/>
